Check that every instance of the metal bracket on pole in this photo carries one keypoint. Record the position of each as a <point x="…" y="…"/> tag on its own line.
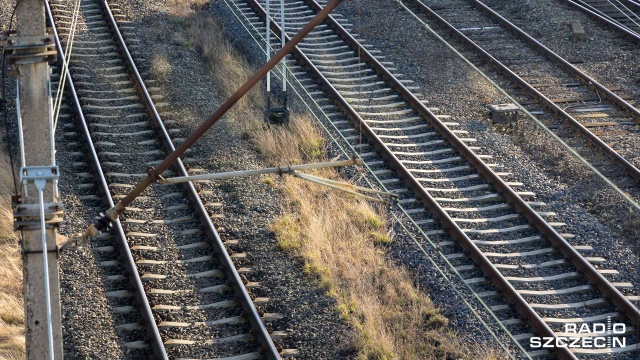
<point x="28" y="49"/>
<point x="29" y="216"/>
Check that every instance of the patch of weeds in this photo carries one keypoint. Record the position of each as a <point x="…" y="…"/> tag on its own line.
<point x="269" y="181"/>
<point x="380" y="239"/>
<point x="287" y="231"/>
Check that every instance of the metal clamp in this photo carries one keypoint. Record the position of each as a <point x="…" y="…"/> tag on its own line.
<point x="35" y="173"/>
<point x="27" y="216"/>
<point x="28" y="49"/>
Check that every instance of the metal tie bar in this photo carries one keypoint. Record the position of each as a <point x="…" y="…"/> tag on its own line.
<point x="274" y="170"/>
<point x="292" y="170"/>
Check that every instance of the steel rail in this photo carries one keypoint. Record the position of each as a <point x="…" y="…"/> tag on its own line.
<point x="154" y="174"/>
<point x="129" y="263"/>
<point x="635" y="37"/>
<point x="582" y="76"/>
<point x="505" y="190"/>
<point x="631" y="4"/>
<point x="439" y="213"/>
<point x="629" y="168"/>
<point x="582" y="265"/>
<point x="234" y="279"/>
<point x="348" y="150"/>
<point x="628" y="3"/>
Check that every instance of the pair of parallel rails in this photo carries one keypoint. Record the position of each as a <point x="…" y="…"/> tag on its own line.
<point x="449" y="189"/>
<point x="190" y="297"/>
<point x="426" y="161"/>
<point x="620" y="15"/>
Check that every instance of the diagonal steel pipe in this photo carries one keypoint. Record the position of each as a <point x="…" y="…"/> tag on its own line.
<point x="154" y="174"/>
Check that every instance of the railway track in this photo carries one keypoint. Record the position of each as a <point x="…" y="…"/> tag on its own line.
<point x="190" y="300"/>
<point x="505" y="243"/>
<point x="622" y="15"/>
<point x="600" y="122"/>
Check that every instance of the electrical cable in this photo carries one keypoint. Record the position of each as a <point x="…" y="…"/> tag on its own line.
<point x="63" y="73"/>
<point x="4" y="108"/>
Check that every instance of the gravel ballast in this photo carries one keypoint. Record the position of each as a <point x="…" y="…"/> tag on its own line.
<point x="535" y="167"/>
<point x="249" y="206"/>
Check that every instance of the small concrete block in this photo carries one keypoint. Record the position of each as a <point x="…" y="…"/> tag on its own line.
<point x="577" y="29"/>
<point x="503" y="113"/>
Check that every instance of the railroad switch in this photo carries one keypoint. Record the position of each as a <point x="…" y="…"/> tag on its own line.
<point x="504" y="114"/>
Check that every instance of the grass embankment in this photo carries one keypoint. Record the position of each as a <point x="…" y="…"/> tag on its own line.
<point x="341" y="239"/>
<point x="11" y="299"/>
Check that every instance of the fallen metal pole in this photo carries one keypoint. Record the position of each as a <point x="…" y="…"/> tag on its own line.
<point x="154" y="174"/>
<point x="329" y="183"/>
<point x="274" y="170"/>
<point x="355" y="187"/>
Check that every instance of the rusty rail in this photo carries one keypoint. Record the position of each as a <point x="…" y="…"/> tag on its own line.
<point x="583" y="266"/>
<point x="445" y="220"/>
<point x="403" y="173"/>
<point x="234" y="279"/>
<point x="633" y="171"/>
<point x="582" y="76"/>
<point x="586" y="8"/>
<point x="125" y="251"/>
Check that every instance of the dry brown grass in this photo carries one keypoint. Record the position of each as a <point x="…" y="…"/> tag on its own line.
<point x="229" y="70"/>
<point x="228" y="73"/>
<point x="336" y="237"/>
<point x="184" y="7"/>
<point x="11" y="300"/>
<point x="341" y="239"/>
